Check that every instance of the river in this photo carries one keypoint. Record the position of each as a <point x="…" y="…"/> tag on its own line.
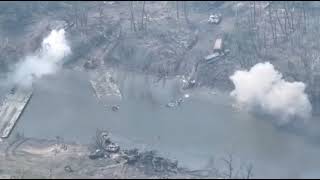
<point x="204" y="126"/>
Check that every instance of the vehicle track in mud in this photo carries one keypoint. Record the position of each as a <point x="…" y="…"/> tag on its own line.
<point x="10" y="151"/>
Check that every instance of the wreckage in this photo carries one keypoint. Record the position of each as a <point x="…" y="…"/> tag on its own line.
<point x="215" y="18"/>
<point x="186" y="83"/>
<point x="148" y="161"/>
<point x="175" y="103"/>
<point x="218" y="52"/>
<point x="12" y="107"/>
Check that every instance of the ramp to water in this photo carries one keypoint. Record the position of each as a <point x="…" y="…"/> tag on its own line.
<point x="11" y="109"/>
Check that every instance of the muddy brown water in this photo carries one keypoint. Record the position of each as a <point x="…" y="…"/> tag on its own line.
<point x="204" y="126"/>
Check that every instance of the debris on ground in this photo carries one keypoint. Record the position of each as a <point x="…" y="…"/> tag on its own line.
<point x="214" y="18"/>
<point x="90" y="64"/>
<point x="96" y="154"/>
<point x="190" y="84"/>
<point x="218" y="52"/>
<point x="212" y="56"/>
<point x="174" y="103"/>
<point x="147" y="161"/>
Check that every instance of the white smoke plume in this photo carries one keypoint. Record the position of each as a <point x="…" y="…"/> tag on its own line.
<point x="47" y="60"/>
<point x="263" y="88"/>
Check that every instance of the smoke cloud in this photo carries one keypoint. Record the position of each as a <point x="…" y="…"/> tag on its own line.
<point x="263" y="88"/>
<point x="47" y="60"/>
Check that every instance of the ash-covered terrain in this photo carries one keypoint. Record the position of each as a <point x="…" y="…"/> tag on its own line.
<point x="159" y="89"/>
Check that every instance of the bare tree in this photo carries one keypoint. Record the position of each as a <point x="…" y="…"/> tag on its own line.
<point x="101" y="13"/>
<point x="133" y="23"/>
<point x="304" y="17"/>
<point x="248" y="171"/>
<point x="244" y="171"/>
<point x="177" y="6"/>
<point x="185" y="11"/>
<point x="254" y="13"/>
<point x="142" y="26"/>
<point x="280" y="23"/>
<point x="229" y="163"/>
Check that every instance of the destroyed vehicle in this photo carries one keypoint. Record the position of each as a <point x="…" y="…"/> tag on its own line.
<point x="105" y="139"/>
<point x="174" y="103"/>
<point x="105" y="135"/>
<point x="90" y="64"/>
<point x="132" y="156"/>
<point x="190" y="84"/>
<point x="153" y="163"/>
<point x="13" y="90"/>
<point x="159" y="164"/>
<point x="68" y="169"/>
<point x="147" y="161"/>
<point x="115" y="108"/>
<point x="218" y="51"/>
<point x="214" y="18"/>
<point x="170" y="105"/>
<point x="212" y="56"/>
<point x="116" y="157"/>
<point x="112" y="148"/>
<point x="96" y="154"/>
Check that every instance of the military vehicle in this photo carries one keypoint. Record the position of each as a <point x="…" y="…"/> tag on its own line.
<point x="215" y="18"/>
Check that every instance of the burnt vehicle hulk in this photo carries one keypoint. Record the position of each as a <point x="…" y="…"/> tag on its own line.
<point x="147" y="161"/>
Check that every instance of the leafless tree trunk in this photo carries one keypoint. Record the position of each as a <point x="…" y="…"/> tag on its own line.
<point x="254" y="13"/>
<point x="292" y="17"/>
<point x="272" y="25"/>
<point x="250" y="18"/>
<point x="229" y="163"/>
<point x="232" y="172"/>
<point x="285" y="19"/>
<point x="304" y="16"/>
<point x="142" y="16"/>
<point x="101" y="14"/>
<point x="133" y="24"/>
<point x="185" y="11"/>
<point x="177" y="5"/>
<point x="265" y="37"/>
<point x="249" y="173"/>
<point x="279" y="21"/>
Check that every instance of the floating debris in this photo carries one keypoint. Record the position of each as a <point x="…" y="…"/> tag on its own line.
<point x="147" y="161"/>
<point x="115" y="108"/>
<point x="68" y="169"/>
<point x="174" y="103"/>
